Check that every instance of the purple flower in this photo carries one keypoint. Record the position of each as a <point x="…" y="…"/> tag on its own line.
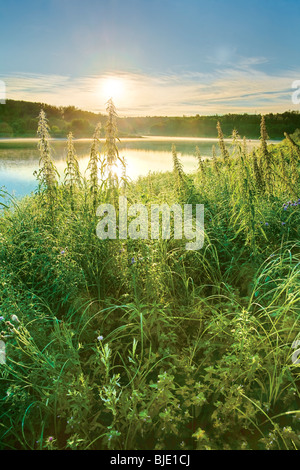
<point x="132" y="260"/>
<point x="282" y="223"/>
<point x="50" y="439"/>
<point x="267" y="223"/>
<point x="1" y="318"/>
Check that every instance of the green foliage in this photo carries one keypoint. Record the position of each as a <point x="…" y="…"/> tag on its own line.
<point x="93" y="166"/>
<point x="72" y="172"/>
<point x="224" y="151"/>
<point x="140" y="344"/>
<point x="47" y="175"/>
<point x="201" y="166"/>
<point x="111" y="149"/>
<point x="266" y="166"/>
<point x="178" y="168"/>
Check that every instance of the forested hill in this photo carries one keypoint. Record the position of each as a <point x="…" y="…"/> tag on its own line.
<point x="20" y="118"/>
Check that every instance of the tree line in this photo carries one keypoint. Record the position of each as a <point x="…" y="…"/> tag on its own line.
<point x="20" y="119"/>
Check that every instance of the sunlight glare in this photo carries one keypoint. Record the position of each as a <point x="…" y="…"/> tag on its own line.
<point x="112" y="87"/>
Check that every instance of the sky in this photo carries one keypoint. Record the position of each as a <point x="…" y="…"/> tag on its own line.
<point x="153" y="57"/>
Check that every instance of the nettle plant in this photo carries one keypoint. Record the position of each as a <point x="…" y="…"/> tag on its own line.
<point x="132" y="343"/>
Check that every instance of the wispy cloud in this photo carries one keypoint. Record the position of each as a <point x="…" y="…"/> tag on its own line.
<point x="236" y="88"/>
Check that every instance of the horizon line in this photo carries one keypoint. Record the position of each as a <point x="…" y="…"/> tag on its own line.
<point x="154" y="115"/>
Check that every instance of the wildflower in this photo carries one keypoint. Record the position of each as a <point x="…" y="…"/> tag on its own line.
<point x="15" y="318"/>
<point x="282" y="223"/>
<point x="1" y="318"/>
<point x="267" y="223"/>
<point x="132" y="261"/>
<point x="100" y="338"/>
<point x="50" y="439"/>
<point x="62" y="252"/>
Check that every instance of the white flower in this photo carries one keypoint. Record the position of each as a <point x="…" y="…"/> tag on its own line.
<point x="15" y="318"/>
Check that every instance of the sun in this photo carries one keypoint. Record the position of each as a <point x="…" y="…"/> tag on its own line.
<point x="112" y="87"/>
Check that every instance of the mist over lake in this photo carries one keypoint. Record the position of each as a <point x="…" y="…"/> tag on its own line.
<point x="19" y="158"/>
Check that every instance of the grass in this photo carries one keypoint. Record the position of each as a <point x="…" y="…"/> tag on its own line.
<point x="140" y="344"/>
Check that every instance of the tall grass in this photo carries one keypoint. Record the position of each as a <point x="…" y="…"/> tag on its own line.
<point x="140" y="344"/>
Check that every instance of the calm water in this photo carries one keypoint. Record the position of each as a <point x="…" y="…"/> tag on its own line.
<point x="19" y="158"/>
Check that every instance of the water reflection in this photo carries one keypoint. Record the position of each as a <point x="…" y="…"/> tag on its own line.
<point x="19" y="158"/>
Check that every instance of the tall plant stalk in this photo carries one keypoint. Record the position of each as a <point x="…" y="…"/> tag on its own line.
<point x="48" y="174"/>
<point x="93" y="167"/>
<point x="72" y="172"/>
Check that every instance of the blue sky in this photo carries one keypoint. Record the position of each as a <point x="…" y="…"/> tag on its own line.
<point x="168" y="57"/>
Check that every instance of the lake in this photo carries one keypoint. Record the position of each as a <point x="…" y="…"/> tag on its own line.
<point x="19" y="158"/>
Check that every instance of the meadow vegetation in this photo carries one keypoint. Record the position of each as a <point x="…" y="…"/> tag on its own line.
<point x="141" y="344"/>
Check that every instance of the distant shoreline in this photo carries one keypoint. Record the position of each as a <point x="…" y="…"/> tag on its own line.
<point x="131" y="139"/>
